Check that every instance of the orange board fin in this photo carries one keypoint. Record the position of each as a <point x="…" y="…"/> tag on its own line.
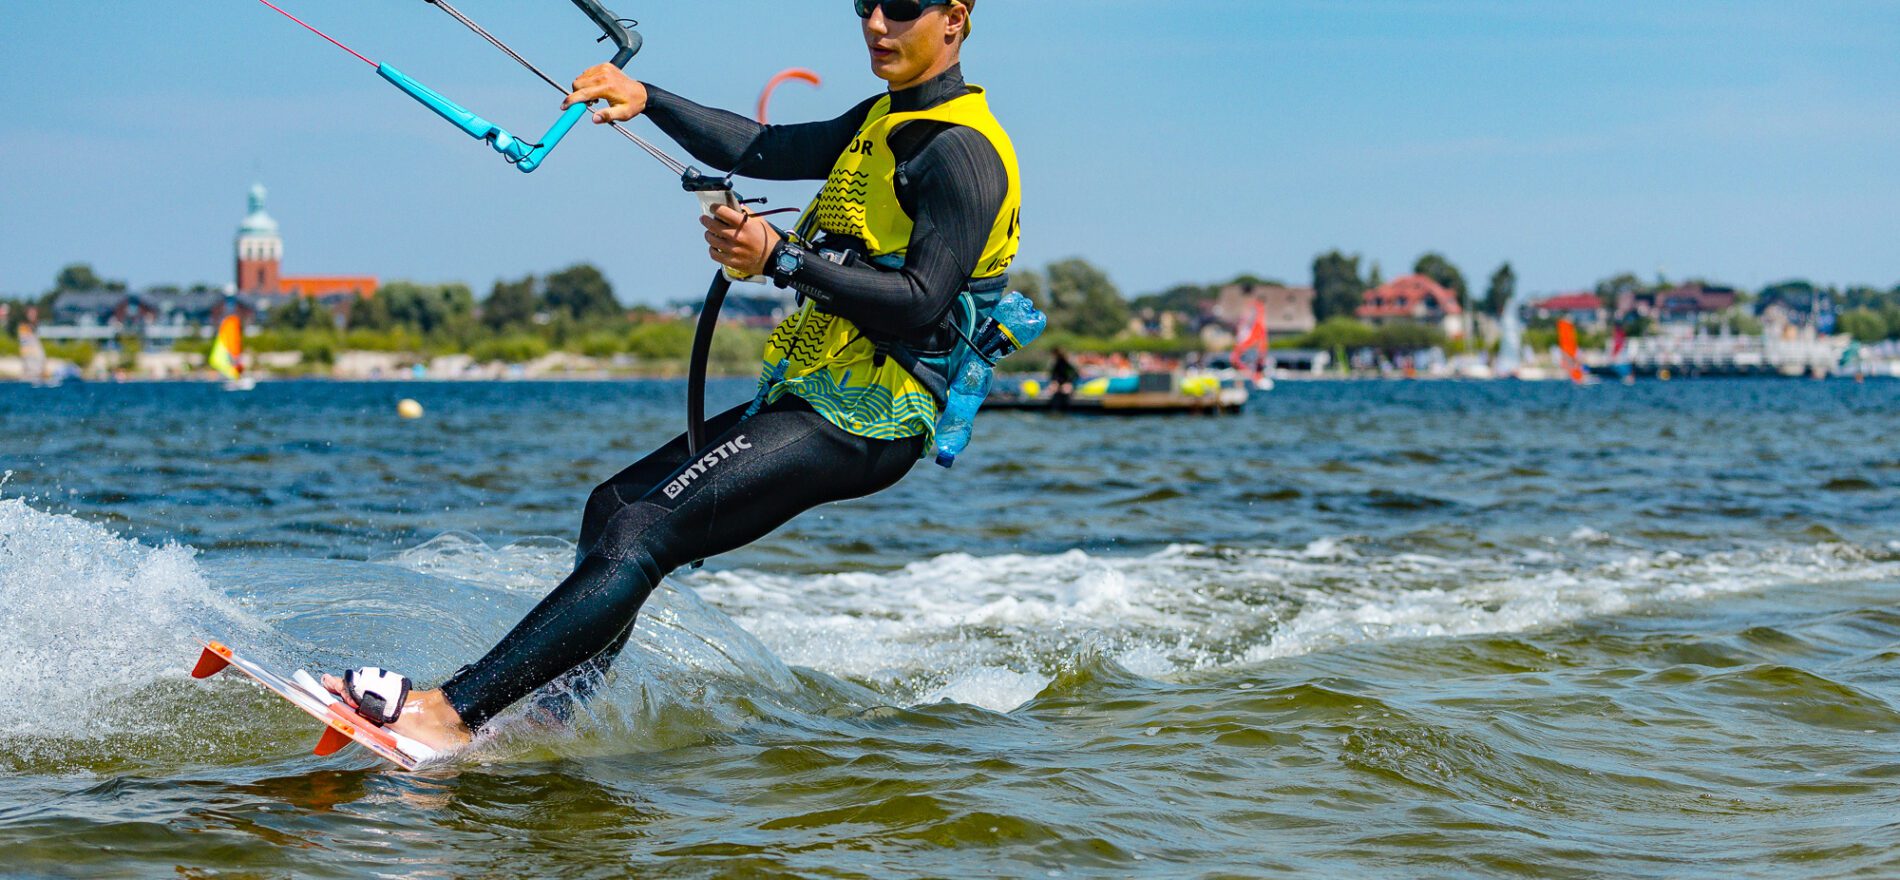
<point x="333" y="739"/>
<point x="211" y="662"/>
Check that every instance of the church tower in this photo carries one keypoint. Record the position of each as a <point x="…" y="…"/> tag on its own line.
<point x="260" y="250"/>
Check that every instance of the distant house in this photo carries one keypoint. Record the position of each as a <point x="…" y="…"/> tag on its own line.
<point x="335" y="292"/>
<point x="154" y="315"/>
<point x="1682" y="304"/>
<point x="1289" y="309"/>
<point x="1414" y="298"/>
<point x="1583" y="308"/>
<point x="759" y="311"/>
<point x="1154" y="323"/>
<point x="1787" y="311"/>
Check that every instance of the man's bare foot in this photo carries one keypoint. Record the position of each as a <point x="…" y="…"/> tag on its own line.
<point x="427" y="718"/>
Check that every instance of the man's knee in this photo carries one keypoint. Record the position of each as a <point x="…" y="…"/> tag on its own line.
<point x="630" y="532"/>
<point x="601" y="506"/>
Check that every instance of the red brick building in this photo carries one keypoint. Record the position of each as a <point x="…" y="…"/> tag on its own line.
<point x="260" y="257"/>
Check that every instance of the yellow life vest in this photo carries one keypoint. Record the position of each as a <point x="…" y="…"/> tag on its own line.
<point x="829" y="363"/>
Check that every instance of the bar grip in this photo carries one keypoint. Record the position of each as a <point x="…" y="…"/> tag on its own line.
<point x="548" y="141"/>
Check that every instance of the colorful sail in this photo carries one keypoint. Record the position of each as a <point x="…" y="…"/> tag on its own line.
<point x="227" y="351"/>
<point x="30" y="348"/>
<point x="1255" y="339"/>
<point x="1567" y="341"/>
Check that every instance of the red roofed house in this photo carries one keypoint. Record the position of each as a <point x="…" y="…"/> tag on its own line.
<point x="1289" y="309"/>
<point x="1582" y="308"/>
<point x="1414" y="298"/>
<point x="335" y="292"/>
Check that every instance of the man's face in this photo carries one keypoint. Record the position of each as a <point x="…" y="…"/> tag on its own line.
<point x="903" y="51"/>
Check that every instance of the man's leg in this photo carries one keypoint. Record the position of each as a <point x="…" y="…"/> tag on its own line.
<point x="750" y="480"/>
<point x="632" y="484"/>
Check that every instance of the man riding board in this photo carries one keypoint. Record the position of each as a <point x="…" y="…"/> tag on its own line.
<point x="919" y="208"/>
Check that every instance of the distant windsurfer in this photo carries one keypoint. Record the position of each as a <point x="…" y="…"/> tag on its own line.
<point x="920" y="205"/>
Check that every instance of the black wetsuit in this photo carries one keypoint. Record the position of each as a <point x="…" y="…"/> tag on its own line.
<point x="756" y="474"/>
<point x="1062" y="376"/>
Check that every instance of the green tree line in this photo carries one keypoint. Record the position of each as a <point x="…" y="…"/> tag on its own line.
<point x="574" y="310"/>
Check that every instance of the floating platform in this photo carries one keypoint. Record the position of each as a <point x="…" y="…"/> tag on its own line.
<point x="1156" y="394"/>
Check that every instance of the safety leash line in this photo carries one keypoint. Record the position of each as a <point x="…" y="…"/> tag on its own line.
<point x="306" y="26"/>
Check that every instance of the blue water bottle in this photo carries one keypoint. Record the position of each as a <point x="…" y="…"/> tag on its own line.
<point x="1015" y="323"/>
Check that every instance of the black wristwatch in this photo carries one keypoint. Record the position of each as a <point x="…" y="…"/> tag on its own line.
<point x="786" y="261"/>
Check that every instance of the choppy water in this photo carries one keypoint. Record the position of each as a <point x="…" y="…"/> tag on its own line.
<point x="1363" y="630"/>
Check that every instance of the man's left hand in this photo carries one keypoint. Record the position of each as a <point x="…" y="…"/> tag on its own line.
<point x="739" y="241"/>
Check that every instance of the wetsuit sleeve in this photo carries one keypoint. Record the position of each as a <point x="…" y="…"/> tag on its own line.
<point x="952" y="188"/>
<point x="728" y="141"/>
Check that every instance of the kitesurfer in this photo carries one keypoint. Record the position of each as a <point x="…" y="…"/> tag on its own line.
<point x="919" y="206"/>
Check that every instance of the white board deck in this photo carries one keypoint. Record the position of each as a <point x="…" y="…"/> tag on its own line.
<point x="343" y="725"/>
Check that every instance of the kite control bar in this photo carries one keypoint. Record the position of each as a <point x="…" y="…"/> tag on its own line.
<point x="523" y="155"/>
<point x="712" y="192"/>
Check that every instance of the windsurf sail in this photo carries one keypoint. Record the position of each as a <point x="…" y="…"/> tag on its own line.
<point x="1511" y="343"/>
<point x="1619" y="354"/>
<point x="1567" y="341"/>
<point x="1255" y="339"/>
<point x="227" y="350"/>
<point x="32" y="352"/>
<point x="30" y="348"/>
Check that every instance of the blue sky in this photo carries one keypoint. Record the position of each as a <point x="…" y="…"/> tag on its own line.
<point x="1180" y="141"/>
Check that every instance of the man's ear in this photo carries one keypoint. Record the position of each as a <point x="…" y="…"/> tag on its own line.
<point x="957" y="23"/>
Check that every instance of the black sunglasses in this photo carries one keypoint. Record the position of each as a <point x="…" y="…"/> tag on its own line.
<point x="898" y="10"/>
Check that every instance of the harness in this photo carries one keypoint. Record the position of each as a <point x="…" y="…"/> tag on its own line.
<point x="934" y="367"/>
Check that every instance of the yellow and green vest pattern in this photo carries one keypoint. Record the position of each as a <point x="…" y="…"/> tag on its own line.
<point x="831" y="365"/>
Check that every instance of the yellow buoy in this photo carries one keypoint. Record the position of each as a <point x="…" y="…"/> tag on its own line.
<point x="1032" y="388"/>
<point x="409" y="409"/>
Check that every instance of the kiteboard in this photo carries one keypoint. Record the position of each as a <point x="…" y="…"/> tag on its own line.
<point x="342" y="725"/>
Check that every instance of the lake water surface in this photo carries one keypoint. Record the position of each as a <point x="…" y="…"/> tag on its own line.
<point x="1364" y="629"/>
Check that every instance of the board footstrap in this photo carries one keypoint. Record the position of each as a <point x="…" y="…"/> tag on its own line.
<point x="342" y="726"/>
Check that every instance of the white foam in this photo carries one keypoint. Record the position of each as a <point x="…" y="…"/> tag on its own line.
<point x="990" y="687"/>
<point x="532" y="565"/>
<point x="90" y="618"/>
<point x="993" y="631"/>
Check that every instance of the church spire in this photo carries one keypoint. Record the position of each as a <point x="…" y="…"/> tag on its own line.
<point x="260" y="249"/>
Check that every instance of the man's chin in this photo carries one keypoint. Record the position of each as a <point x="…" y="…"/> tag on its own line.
<point x="889" y="69"/>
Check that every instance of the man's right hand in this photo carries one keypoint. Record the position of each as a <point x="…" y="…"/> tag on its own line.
<point x="625" y="97"/>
